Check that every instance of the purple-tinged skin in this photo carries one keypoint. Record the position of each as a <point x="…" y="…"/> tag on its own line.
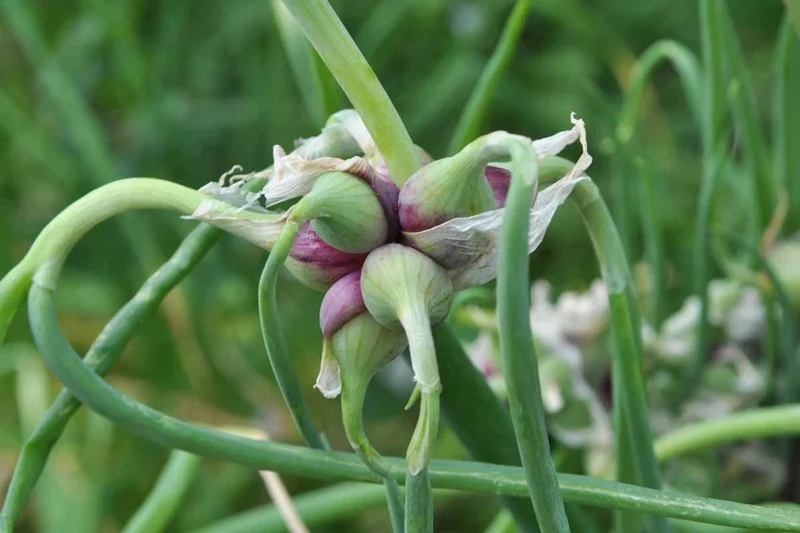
<point x="499" y="180"/>
<point x="342" y="303"/>
<point x="412" y="218"/>
<point x="449" y="188"/>
<point x="318" y="264"/>
<point x="388" y="194"/>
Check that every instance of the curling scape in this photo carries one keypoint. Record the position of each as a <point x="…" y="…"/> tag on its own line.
<point x="390" y="259"/>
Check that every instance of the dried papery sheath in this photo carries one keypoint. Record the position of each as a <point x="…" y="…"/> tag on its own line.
<point x="468" y="247"/>
<point x="499" y="175"/>
<point x="350" y="121"/>
<point x="295" y="176"/>
<point x="462" y="186"/>
<point x="334" y="141"/>
<point x="256" y="226"/>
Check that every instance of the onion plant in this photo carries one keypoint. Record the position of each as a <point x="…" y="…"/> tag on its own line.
<point x="394" y="237"/>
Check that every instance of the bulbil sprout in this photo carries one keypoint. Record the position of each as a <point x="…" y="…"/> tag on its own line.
<point x="447" y="188"/>
<point x="405" y="289"/>
<point x="355" y="346"/>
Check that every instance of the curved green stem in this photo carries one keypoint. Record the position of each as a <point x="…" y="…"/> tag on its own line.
<point x="419" y="493"/>
<point x="713" y="135"/>
<point x="316" y="508"/>
<point x="419" y="502"/>
<point x="475" y="477"/>
<point x="793" y="11"/>
<point x="633" y="432"/>
<point x="56" y="240"/>
<point x="303" y="63"/>
<point x="475" y="110"/>
<point x="163" y="501"/>
<point x="477" y="417"/>
<point x="352" y="407"/>
<point x="786" y="116"/>
<point x="51" y="247"/>
<point x="275" y="342"/>
<point x="516" y="345"/>
<point x="13" y="288"/>
<point x="348" y="65"/>
<point x="753" y="424"/>
<point x="688" y="69"/>
<point x="102" y="355"/>
<point x="686" y="65"/>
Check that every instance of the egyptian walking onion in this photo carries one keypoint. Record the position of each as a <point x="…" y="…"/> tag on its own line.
<point x="389" y="259"/>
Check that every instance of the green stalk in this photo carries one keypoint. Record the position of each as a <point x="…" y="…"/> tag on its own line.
<point x="477" y="417"/>
<point x="419" y="493"/>
<point x="793" y="12"/>
<point x="713" y="138"/>
<point x="348" y="65"/>
<point x="317" y="508"/>
<point x="788" y="389"/>
<point x="352" y="418"/>
<point x="502" y="523"/>
<point x="303" y="64"/>
<point x="786" y="117"/>
<point x="762" y="184"/>
<point x="419" y="502"/>
<point x="633" y="434"/>
<point x="760" y="423"/>
<point x="169" y="491"/>
<point x="516" y="345"/>
<point x="685" y="64"/>
<point x="475" y="477"/>
<point x="51" y="247"/>
<point x="102" y="355"/>
<point x="274" y="339"/>
<point x="475" y="111"/>
<point x="654" y="245"/>
<point x="623" y="189"/>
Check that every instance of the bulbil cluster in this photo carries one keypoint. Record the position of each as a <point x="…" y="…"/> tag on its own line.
<point x="389" y="258"/>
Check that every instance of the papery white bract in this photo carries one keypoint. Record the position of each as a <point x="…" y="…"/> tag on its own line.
<point x="467" y="247"/>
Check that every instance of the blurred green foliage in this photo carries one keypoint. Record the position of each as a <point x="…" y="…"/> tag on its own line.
<point x="184" y="90"/>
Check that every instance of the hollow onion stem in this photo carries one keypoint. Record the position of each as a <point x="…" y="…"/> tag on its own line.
<point x="516" y="345"/>
<point x="348" y="65"/>
<point x="633" y="432"/>
<point x="101" y="357"/>
<point x="56" y="240"/>
<point x="752" y="424"/>
<point x="352" y="417"/>
<point x="275" y="342"/>
<point x="163" y="501"/>
<point x="474" y="112"/>
<point x="475" y="477"/>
